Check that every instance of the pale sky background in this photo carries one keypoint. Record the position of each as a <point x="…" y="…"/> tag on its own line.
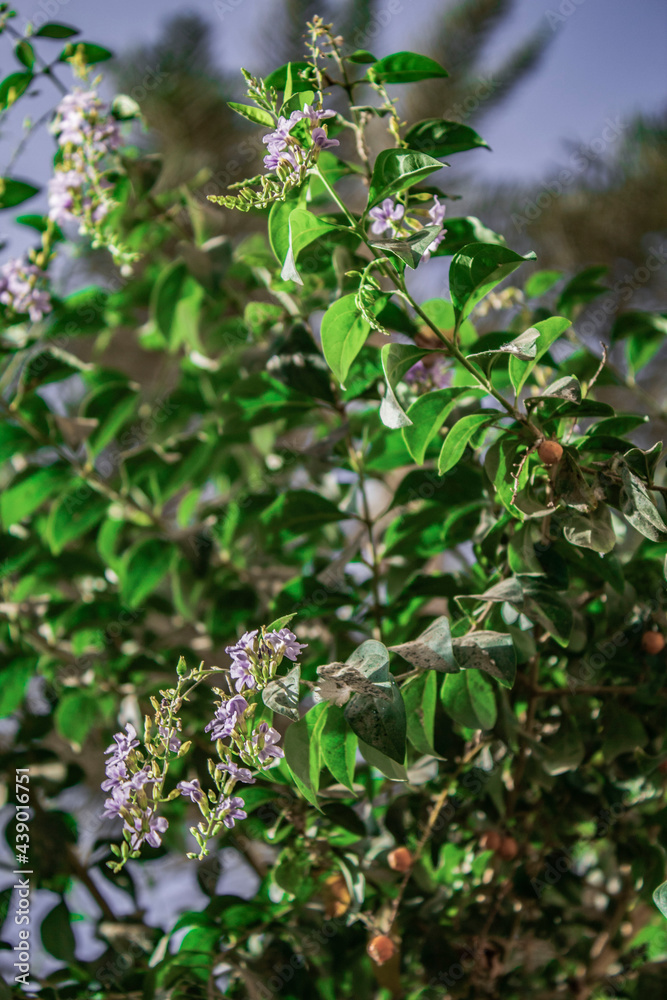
<point x="607" y="61"/>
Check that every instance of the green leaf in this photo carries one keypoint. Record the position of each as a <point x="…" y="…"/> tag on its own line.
<point x="25" y="53"/>
<point x="405" y="67"/>
<point x="144" y="566"/>
<point x="660" y="898"/>
<point x="300" y="510"/>
<point x="73" y="514"/>
<point x="547" y="607"/>
<point x="468" y="698"/>
<point x="290" y="871"/>
<point x="52" y="30"/>
<point x="344" y="332"/>
<point x="398" y="169"/>
<point x="13" y="441"/>
<point x="16" y="675"/>
<point x="523" y="346"/>
<point x="540" y="282"/>
<point x="21" y="499"/>
<point x="622" y="732"/>
<point x="304" y="228"/>
<point x="282" y="694"/>
<point x="477" y="269"/>
<point x="395" y="770"/>
<point x="461" y="231"/>
<point x="57" y="935"/>
<point x="638" y="507"/>
<point x="439" y="137"/>
<point x="592" y="530"/>
<point x="567" y="387"/>
<point x="583" y="288"/>
<point x="91" y="53"/>
<point x="459" y="436"/>
<point x="76" y="714"/>
<point x="362" y="56"/>
<point x="432" y="650"/>
<point x="397" y="359"/>
<point x="409" y="249"/>
<point x="380" y="722"/>
<point x="564" y="751"/>
<point x="549" y="330"/>
<point x="256" y="115"/>
<point x="429" y="412"/>
<point x="13" y="192"/>
<point x="12" y="87"/>
<point x="279" y="623"/>
<point x="492" y="652"/>
<point x="301" y="74"/>
<point x="339" y="745"/>
<point x="302" y="745"/>
<point x="419" y="696"/>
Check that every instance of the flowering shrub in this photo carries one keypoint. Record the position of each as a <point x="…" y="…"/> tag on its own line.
<point x="449" y="779"/>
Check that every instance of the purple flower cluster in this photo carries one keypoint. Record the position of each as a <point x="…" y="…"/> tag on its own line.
<point x="284" y="644"/>
<point x="230" y="809"/>
<point x="127" y="797"/>
<point x="236" y="772"/>
<point x="391" y="217"/>
<point x="264" y="743"/>
<point x="253" y="657"/>
<point x="226" y="718"/>
<point x="86" y="134"/>
<point x="283" y="149"/>
<point x="241" y="668"/>
<point x="19" y="289"/>
<point x="437" y="376"/>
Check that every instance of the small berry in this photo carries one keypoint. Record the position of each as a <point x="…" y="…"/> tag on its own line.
<point x="400" y="859"/>
<point x="653" y="642"/>
<point x="490" y="841"/>
<point x="381" y="948"/>
<point x="508" y="849"/>
<point x="550" y="452"/>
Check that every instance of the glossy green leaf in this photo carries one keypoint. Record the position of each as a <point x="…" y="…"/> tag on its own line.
<point x="145" y="566"/>
<point x="459" y="436"/>
<point x="420" y="696"/>
<point x="439" y="137"/>
<point x="16" y="676"/>
<point x="339" y="745"/>
<point x="304" y="228"/>
<point x="380" y="722"/>
<point x="432" y="650"/>
<point x="301" y="76"/>
<point x="344" y="332"/>
<point x="660" y="898"/>
<point x="25" y="53"/>
<point x="492" y="652"/>
<point x="12" y="87"/>
<point x="52" y="30"/>
<point x="392" y="769"/>
<point x="397" y="360"/>
<point x="540" y="283"/>
<point x="398" y="169"/>
<point x="90" y="52"/>
<point x="469" y="699"/>
<point x="303" y="751"/>
<point x="76" y="714"/>
<point x="405" y="67"/>
<point x="13" y="192"/>
<point x="255" y="115"/>
<point x="23" y="497"/>
<point x="476" y="270"/>
<point x="409" y="249"/>
<point x="549" y="331"/>
<point x="428" y="414"/>
<point x="461" y="231"/>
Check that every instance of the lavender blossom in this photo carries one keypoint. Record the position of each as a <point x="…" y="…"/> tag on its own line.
<point x="437" y="215"/>
<point x="18" y="289"/>
<point x="141" y="778"/>
<point x="236" y="772"/>
<point x="231" y="809"/>
<point x="385" y="216"/>
<point x="117" y="801"/>
<point x="312" y="114"/>
<point x="280" y="158"/>
<point x="321" y="140"/>
<point x="241" y="668"/>
<point x="265" y="740"/>
<point x="116" y="771"/>
<point x="170" y="739"/>
<point x="284" y="643"/>
<point x="124" y="743"/>
<point x="156" y="826"/>
<point x="226" y="717"/>
<point x="191" y="788"/>
<point x="437" y="375"/>
<point x="62" y="193"/>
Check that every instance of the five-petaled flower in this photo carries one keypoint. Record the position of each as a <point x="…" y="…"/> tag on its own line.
<point x="385" y="215"/>
<point x="191" y="788"/>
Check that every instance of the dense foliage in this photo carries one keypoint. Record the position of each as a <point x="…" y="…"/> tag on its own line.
<point x="438" y="743"/>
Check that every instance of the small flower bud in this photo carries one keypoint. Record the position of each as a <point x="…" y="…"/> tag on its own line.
<point x="182" y="667"/>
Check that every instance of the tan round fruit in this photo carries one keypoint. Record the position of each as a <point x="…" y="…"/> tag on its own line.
<point x="550" y="452"/>
<point x="490" y="841"/>
<point x="381" y="948"/>
<point x="400" y="859"/>
<point x="508" y="849"/>
<point x="653" y="642"/>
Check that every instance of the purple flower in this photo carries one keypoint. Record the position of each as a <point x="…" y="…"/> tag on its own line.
<point x="172" y="741"/>
<point x="241" y="673"/>
<point x="156" y="826"/>
<point x="61" y="194"/>
<point x="236" y="772"/>
<point x="320" y="139"/>
<point x="277" y="140"/>
<point x="191" y="788"/>
<point x="226" y="717"/>
<point x="280" y="158"/>
<point x="437" y="215"/>
<point x="384" y="215"/>
<point x="119" y="799"/>
<point x="230" y="810"/>
<point x="265" y="740"/>
<point x="124" y="743"/>
<point x="18" y="281"/>
<point x="284" y="644"/>
<point x="138" y="780"/>
<point x="116" y="772"/>
<point x="310" y="113"/>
